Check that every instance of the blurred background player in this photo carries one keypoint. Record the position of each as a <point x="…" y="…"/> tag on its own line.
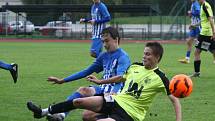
<point x="142" y="84"/>
<point x="206" y="39"/>
<point x="114" y="62"/>
<point x="194" y="27"/>
<point x="99" y="17"/>
<point x="13" y="68"/>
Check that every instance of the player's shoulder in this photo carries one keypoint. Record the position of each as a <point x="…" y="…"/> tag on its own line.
<point x="101" y="4"/>
<point x="162" y="75"/>
<point x="196" y="3"/>
<point x="206" y="5"/>
<point x="122" y="51"/>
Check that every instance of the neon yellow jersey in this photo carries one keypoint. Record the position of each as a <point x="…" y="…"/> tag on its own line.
<point x="141" y="86"/>
<point x="206" y="12"/>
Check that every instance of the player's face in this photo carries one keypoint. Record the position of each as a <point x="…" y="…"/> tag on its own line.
<point x="96" y="1"/>
<point x="201" y="1"/>
<point x="108" y="42"/>
<point x="149" y="59"/>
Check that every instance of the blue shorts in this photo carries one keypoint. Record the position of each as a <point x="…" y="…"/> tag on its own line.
<point x="96" y="46"/>
<point x="99" y="90"/>
<point x="194" y="32"/>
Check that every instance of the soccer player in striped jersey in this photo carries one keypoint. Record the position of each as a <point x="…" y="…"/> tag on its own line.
<point x="194" y="27"/>
<point x="143" y="81"/>
<point x="114" y="62"/>
<point x="13" y="68"/>
<point x="206" y="39"/>
<point x="99" y="17"/>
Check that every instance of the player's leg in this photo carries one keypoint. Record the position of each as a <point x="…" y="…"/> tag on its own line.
<point x="197" y="54"/>
<point x="13" y="68"/>
<point x="80" y="93"/>
<point x="212" y="50"/>
<point x="88" y="115"/>
<point x="5" y="66"/>
<point x="93" y="103"/>
<point x="189" y="42"/>
<point x="96" y="47"/>
<point x="189" y="49"/>
<point x="197" y="63"/>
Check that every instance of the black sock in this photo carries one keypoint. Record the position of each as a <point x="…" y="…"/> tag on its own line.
<point x="197" y="65"/>
<point x="62" y="107"/>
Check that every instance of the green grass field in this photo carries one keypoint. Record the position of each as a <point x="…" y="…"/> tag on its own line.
<point x="37" y="61"/>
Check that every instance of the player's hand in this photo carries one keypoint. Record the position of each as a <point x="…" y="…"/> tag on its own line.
<point x="82" y="20"/>
<point x="55" y="80"/>
<point x="93" y="79"/>
<point x="192" y="27"/>
<point x="189" y="13"/>
<point x="92" y="21"/>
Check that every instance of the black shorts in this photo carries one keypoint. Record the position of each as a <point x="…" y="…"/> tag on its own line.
<point x="205" y="43"/>
<point x="114" y="111"/>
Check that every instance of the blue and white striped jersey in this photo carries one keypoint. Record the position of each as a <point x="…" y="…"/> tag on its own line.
<point x="195" y="13"/>
<point x="112" y="64"/>
<point x="100" y="14"/>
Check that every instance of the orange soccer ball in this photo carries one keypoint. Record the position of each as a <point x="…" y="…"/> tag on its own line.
<point x="181" y="86"/>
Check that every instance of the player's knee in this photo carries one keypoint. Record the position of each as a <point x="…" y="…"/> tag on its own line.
<point x="189" y="41"/>
<point x="197" y="54"/>
<point x="85" y="91"/>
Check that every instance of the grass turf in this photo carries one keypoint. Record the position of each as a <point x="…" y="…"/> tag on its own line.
<point x="37" y="61"/>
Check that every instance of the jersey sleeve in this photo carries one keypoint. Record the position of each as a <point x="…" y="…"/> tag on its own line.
<point x="123" y="64"/>
<point x="207" y="9"/>
<point x="196" y="11"/>
<point x="127" y="72"/>
<point x="106" y="15"/>
<point x="165" y="81"/>
<point x="164" y="86"/>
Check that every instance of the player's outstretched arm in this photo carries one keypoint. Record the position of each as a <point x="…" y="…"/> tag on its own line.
<point x="177" y="106"/>
<point x="55" y="80"/>
<point x="114" y="79"/>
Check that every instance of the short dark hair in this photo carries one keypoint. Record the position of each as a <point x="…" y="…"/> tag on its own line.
<point x="112" y="31"/>
<point x="156" y="48"/>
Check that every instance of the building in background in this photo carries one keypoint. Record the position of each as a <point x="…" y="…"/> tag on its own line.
<point x="8" y="16"/>
<point x="10" y="2"/>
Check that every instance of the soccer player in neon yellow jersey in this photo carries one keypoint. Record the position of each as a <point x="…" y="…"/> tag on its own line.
<point x="143" y="81"/>
<point x="206" y="39"/>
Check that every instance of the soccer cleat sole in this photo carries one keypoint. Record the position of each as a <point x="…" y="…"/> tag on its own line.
<point x="35" y="109"/>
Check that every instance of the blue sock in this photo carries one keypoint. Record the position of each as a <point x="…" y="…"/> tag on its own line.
<point x="188" y="54"/>
<point x="72" y="97"/>
<point x="5" y="66"/>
